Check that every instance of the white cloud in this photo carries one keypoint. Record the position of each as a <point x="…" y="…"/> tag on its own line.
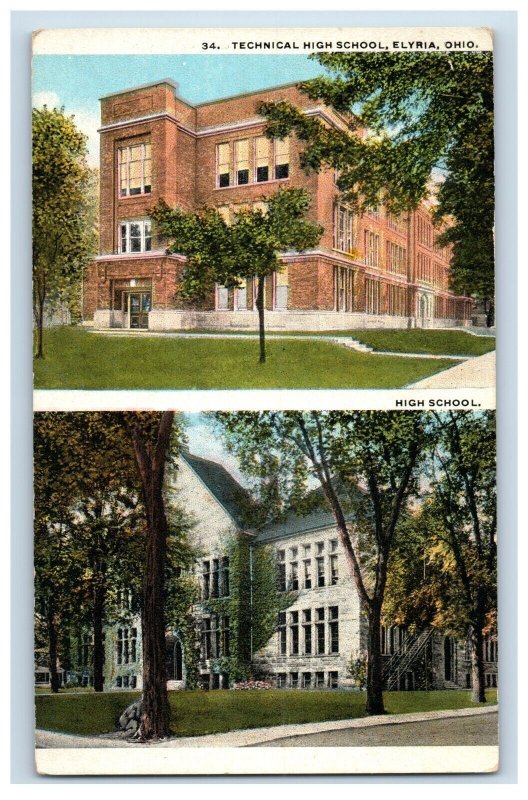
<point x="49" y="99"/>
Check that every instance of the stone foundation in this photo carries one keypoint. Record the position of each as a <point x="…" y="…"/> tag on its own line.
<point x="174" y="320"/>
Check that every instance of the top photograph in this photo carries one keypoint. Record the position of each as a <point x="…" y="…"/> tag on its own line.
<point x="264" y="219"/>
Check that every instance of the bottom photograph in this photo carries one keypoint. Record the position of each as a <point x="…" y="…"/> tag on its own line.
<point x="315" y="579"/>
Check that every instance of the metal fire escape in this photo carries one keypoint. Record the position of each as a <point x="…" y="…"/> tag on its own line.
<point x="403" y="660"/>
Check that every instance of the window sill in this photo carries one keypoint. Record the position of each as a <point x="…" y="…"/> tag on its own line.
<point x="255" y="183"/>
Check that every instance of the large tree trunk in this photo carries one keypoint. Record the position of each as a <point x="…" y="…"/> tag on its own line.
<point x="374" y="704"/>
<point x="260" y="309"/>
<point x="478" y="676"/>
<point x="155" y="718"/>
<point x="53" y="657"/>
<point x="98" y="650"/>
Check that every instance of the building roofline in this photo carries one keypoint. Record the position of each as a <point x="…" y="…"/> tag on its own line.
<point x="248" y="94"/>
<point x="167" y="81"/>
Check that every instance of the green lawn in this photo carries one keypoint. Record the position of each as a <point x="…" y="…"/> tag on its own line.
<point x="442" y="343"/>
<point x="78" y="359"/>
<point x="395" y="340"/>
<point x="195" y="713"/>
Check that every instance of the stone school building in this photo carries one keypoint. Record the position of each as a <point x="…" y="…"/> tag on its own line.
<point x="316" y="636"/>
<point x="377" y="270"/>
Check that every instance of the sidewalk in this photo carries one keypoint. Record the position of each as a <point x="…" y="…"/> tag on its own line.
<point x="475" y="373"/>
<point x="249" y="737"/>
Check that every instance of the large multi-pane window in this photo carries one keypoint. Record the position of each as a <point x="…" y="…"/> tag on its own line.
<point x="242" y="162"/>
<point x="372" y="242"/>
<point x="372" y="296"/>
<point x="215" y="637"/>
<point x="343" y="229"/>
<point x="135" y="236"/>
<point x="294" y="569"/>
<point x="135" y="169"/>
<point x="294" y="633"/>
<point x="126" y="645"/>
<point x="206" y="579"/>
<point x="333" y="628"/>
<point x="252" y="160"/>
<point x="396" y="258"/>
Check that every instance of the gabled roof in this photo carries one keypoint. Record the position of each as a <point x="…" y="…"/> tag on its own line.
<point x="222" y="485"/>
<point x="238" y="503"/>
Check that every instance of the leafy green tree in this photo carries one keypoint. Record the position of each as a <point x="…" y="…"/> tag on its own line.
<point x="409" y="114"/>
<point x="464" y="512"/>
<point x="89" y="530"/>
<point x="63" y="211"/>
<point x="365" y="463"/>
<point x="443" y="571"/>
<point x="249" y="248"/>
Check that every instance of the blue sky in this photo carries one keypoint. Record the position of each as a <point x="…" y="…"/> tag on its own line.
<point x="77" y="82"/>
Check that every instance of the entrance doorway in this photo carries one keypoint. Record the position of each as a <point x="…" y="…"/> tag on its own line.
<point x="139" y="305"/>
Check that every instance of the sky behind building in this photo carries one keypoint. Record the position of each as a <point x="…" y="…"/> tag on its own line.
<point x="77" y="82"/>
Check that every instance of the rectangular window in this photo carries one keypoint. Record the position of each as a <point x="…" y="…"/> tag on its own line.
<point x="282" y="158"/>
<point x="294" y="680"/>
<point x="281" y="630"/>
<point x="207" y="648"/>
<point x="281" y="680"/>
<point x="224" y="577"/>
<point x="126" y="645"/>
<point x="306" y="680"/>
<point x="307" y="631"/>
<point x="307" y="574"/>
<point x="294" y="576"/>
<point x="206" y="580"/>
<point x="135" y="236"/>
<point x="135" y="169"/>
<point x="334" y="570"/>
<point x="246" y="161"/>
<point x="320" y="631"/>
<point x="333" y="678"/>
<point x="262" y="159"/>
<point x="242" y="162"/>
<point x="215" y="578"/>
<point x="320" y="570"/>
<point x="343" y="229"/>
<point x="333" y="628"/>
<point x="372" y="249"/>
<point x="294" y="633"/>
<point x="319" y="680"/>
<point x="223" y="160"/>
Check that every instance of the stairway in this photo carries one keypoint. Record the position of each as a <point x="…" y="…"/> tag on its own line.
<point x="402" y="661"/>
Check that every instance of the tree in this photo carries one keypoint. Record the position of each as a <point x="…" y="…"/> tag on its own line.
<point x="249" y="248"/>
<point x="63" y="210"/>
<point x="464" y="511"/>
<point x="409" y="114"/>
<point x="88" y="522"/>
<point x="364" y="463"/>
<point x="152" y="435"/>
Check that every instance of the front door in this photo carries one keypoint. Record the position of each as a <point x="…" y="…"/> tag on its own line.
<point x="139" y="304"/>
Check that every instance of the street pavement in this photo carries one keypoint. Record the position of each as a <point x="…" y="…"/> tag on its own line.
<point x="463" y="731"/>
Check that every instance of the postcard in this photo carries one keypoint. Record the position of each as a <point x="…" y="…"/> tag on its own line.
<point x="265" y="490"/>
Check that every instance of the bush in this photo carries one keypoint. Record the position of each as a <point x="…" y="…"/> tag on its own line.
<point x="253" y="685"/>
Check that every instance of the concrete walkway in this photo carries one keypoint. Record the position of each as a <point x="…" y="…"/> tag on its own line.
<point x="254" y="736"/>
<point x="474" y="373"/>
